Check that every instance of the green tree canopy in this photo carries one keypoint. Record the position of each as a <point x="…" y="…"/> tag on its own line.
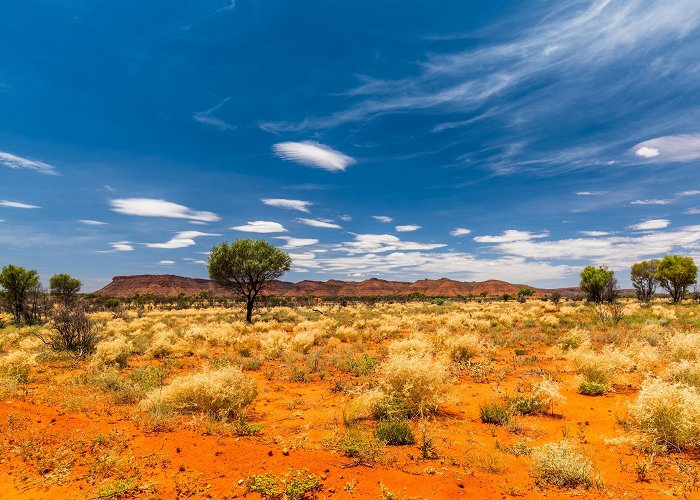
<point x="598" y="283"/>
<point x="644" y="280"/>
<point x="675" y="273"/>
<point x="246" y="267"/>
<point x="17" y="283"/>
<point x="64" y="286"/>
<point x="523" y="293"/>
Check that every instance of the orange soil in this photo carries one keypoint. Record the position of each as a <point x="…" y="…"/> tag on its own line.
<point x="187" y="461"/>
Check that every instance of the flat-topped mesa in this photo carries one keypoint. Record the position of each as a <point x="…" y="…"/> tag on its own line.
<point x="170" y="285"/>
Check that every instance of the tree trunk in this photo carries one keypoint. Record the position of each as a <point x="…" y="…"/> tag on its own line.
<point x="249" y="310"/>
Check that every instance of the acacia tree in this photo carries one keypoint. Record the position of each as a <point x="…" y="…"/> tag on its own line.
<point x="64" y="287"/>
<point x="644" y="278"/>
<point x="18" y="282"/>
<point x="599" y="284"/>
<point x="675" y="274"/>
<point x="523" y="293"/>
<point x="246" y="267"/>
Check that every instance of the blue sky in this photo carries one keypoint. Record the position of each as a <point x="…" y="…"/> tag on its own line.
<point x="396" y="139"/>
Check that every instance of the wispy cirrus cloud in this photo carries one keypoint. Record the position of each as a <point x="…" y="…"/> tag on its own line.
<point x="369" y="243"/>
<point x="650" y="225"/>
<point x="301" y="205"/>
<point x="383" y="218"/>
<point x="207" y="117"/>
<point x="18" y="162"/>
<point x="653" y="201"/>
<point x="313" y="154"/>
<point x="670" y="148"/>
<point x="16" y="204"/>
<point x="150" y="207"/>
<point x="90" y="222"/>
<point x="296" y="242"/>
<point x="182" y="239"/>
<point x="511" y="235"/>
<point x="407" y="228"/>
<point x="119" y="246"/>
<point x="323" y="223"/>
<point x="261" y="226"/>
<point x="460" y="231"/>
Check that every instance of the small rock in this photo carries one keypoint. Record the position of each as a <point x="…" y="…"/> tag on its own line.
<point x="269" y="453"/>
<point x="285" y="452"/>
<point x="240" y="482"/>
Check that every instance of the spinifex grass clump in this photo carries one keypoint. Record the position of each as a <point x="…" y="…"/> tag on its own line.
<point x="562" y="465"/>
<point x="668" y="412"/>
<point x="222" y="393"/>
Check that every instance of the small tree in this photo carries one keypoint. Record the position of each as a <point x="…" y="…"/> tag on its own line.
<point x="71" y="330"/>
<point x="598" y="283"/>
<point x="246" y="267"/>
<point x="523" y="293"/>
<point x="644" y="278"/>
<point x="555" y="297"/>
<point x="675" y="274"/>
<point x="64" y="287"/>
<point x="18" y="282"/>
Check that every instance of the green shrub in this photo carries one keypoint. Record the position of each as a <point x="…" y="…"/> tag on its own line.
<point x="364" y="448"/>
<point x="290" y="486"/>
<point x="592" y="388"/>
<point x="527" y="405"/>
<point x="495" y="413"/>
<point x="395" y="432"/>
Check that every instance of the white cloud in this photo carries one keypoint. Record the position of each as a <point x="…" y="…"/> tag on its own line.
<point x="383" y="218"/>
<point x="372" y="243"/>
<point x="345" y="218"/>
<point x="418" y="265"/>
<point x="654" y="201"/>
<point x="182" y="239"/>
<point x="692" y="211"/>
<point x="90" y="222"/>
<point x="313" y="154"/>
<point x="16" y="204"/>
<point x="300" y="205"/>
<point x="166" y="262"/>
<point x="511" y="235"/>
<point x="261" y="226"/>
<point x="649" y="225"/>
<point x="149" y="207"/>
<point x="407" y="228"/>
<point x="676" y="148"/>
<point x="460" y="231"/>
<point x="590" y="193"/>
<point x="647" y="152"/>
<point x="119" y="246"/>
<point x="594" y="233"/>
<point x="296" y="242"/>
<point x="14" y="161"/>
<point x="326" y="224"/>
<point x="690" y="192"/>
<point x="618" y="252"/>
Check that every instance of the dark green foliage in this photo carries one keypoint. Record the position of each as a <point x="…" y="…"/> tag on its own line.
<point x="395" y="432"/>
<point x="495" y="413"/>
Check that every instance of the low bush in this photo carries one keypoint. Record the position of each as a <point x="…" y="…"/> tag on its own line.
<point x="669" y="412"/>
<point x="224" y="393"/>
<point x="112" y="352"/>
<point x="464" y="348"/>
<point x="495" y="413"/>
<point x="592" y="388"/>
<point x="291" y="486"/>
<point x="17" y="366"/>
<point x="562" y="465"/>
<point x="415" y="382"/>
<point x="395" y="432"/>
<point x="364" y="448"/>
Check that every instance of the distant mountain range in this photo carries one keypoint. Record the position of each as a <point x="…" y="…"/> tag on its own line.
<point x="168" y="285"/>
